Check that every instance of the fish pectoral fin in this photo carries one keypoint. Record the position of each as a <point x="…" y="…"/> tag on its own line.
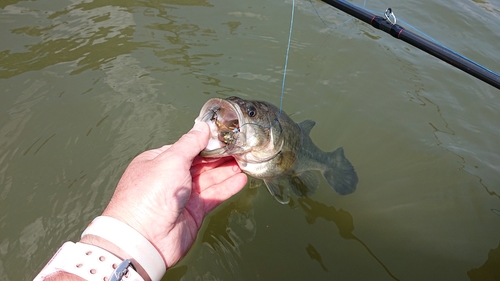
<point x="304" y="184"/>
<point x="279" y="191"/>
<point x="254" y="183"/>
<point x="341" y="174"/>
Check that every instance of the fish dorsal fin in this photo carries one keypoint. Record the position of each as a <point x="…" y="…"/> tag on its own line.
<point x="306" y="126"/>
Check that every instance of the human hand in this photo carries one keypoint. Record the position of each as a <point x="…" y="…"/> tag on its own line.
<point x="165" y="193"/>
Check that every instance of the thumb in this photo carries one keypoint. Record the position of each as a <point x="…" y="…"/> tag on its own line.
<point x="193" y="142"/>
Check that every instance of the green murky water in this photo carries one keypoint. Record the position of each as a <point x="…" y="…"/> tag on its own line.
<point x="86" y="86"/>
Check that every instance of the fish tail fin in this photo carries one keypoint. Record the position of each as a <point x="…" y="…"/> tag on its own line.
<point x="340" y="174"/>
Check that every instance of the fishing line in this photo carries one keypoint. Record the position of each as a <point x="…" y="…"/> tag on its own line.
<point x="327" y="25"/>
<point x="287" y="54"/>
<point x="286" y="57"/>
<point x="230" y="137"/>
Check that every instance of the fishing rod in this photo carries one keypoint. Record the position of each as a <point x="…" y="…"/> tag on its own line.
<point x="388" y="25"/>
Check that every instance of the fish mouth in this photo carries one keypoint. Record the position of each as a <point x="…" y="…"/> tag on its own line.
<point x="224" y="119"/>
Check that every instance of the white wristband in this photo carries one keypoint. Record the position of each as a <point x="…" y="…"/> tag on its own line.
<point x="131" y="242"/>
<point x="86" y="261"/>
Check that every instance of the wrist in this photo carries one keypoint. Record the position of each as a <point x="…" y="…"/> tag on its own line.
<point x="80" y="261"/>
<point x="115" y="250"/>
<point x="108" y="246"/>
<point x="127" y="243"/>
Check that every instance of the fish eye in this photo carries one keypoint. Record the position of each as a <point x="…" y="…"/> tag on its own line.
<point x="252" y="111"/>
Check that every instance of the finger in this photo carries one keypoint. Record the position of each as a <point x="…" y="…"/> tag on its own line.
<point x="215" y="176"/>
<point x="190" y="144"/>
<point x="201" y="160"/>
<point x="151" y="154"/>
<point x="197" y="169"/>
<point x="163" y="148"/>
<point x="216" y="194"/>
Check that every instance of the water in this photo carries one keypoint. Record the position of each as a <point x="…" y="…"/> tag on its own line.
<point x="87" y="85"/>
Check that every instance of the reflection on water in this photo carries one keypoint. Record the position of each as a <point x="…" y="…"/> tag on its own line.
<point x="72" y="35"/>
<point x="342" y="219"/>
<point x="448" y="139"/>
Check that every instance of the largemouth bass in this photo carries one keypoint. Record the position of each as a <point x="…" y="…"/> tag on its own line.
<point x="267" y="144"/>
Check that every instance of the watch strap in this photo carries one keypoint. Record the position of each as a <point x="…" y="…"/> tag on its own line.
<point x="86" y="261"/>
<point x="131" y="242"/>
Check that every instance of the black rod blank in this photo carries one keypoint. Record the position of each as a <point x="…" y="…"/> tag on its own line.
<point x="423" y="44"/>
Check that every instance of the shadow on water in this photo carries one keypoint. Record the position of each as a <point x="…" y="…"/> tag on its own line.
<point x="218" y="234"/>
<point x="221" y="239"/>
<point x="217" y="226"/>
<point x="315" y="255"/>
<point x="342" y="219"/>
<point x="490" y="270"/>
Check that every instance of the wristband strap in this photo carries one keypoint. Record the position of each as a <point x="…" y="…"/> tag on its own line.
<point x="131" y="242"/>
<point x="86" y="261"/>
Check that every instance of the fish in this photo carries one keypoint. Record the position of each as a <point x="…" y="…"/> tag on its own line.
<point x="268" y="145"/>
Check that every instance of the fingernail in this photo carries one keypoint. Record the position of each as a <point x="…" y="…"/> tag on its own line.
<point x="198" y="126"/>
